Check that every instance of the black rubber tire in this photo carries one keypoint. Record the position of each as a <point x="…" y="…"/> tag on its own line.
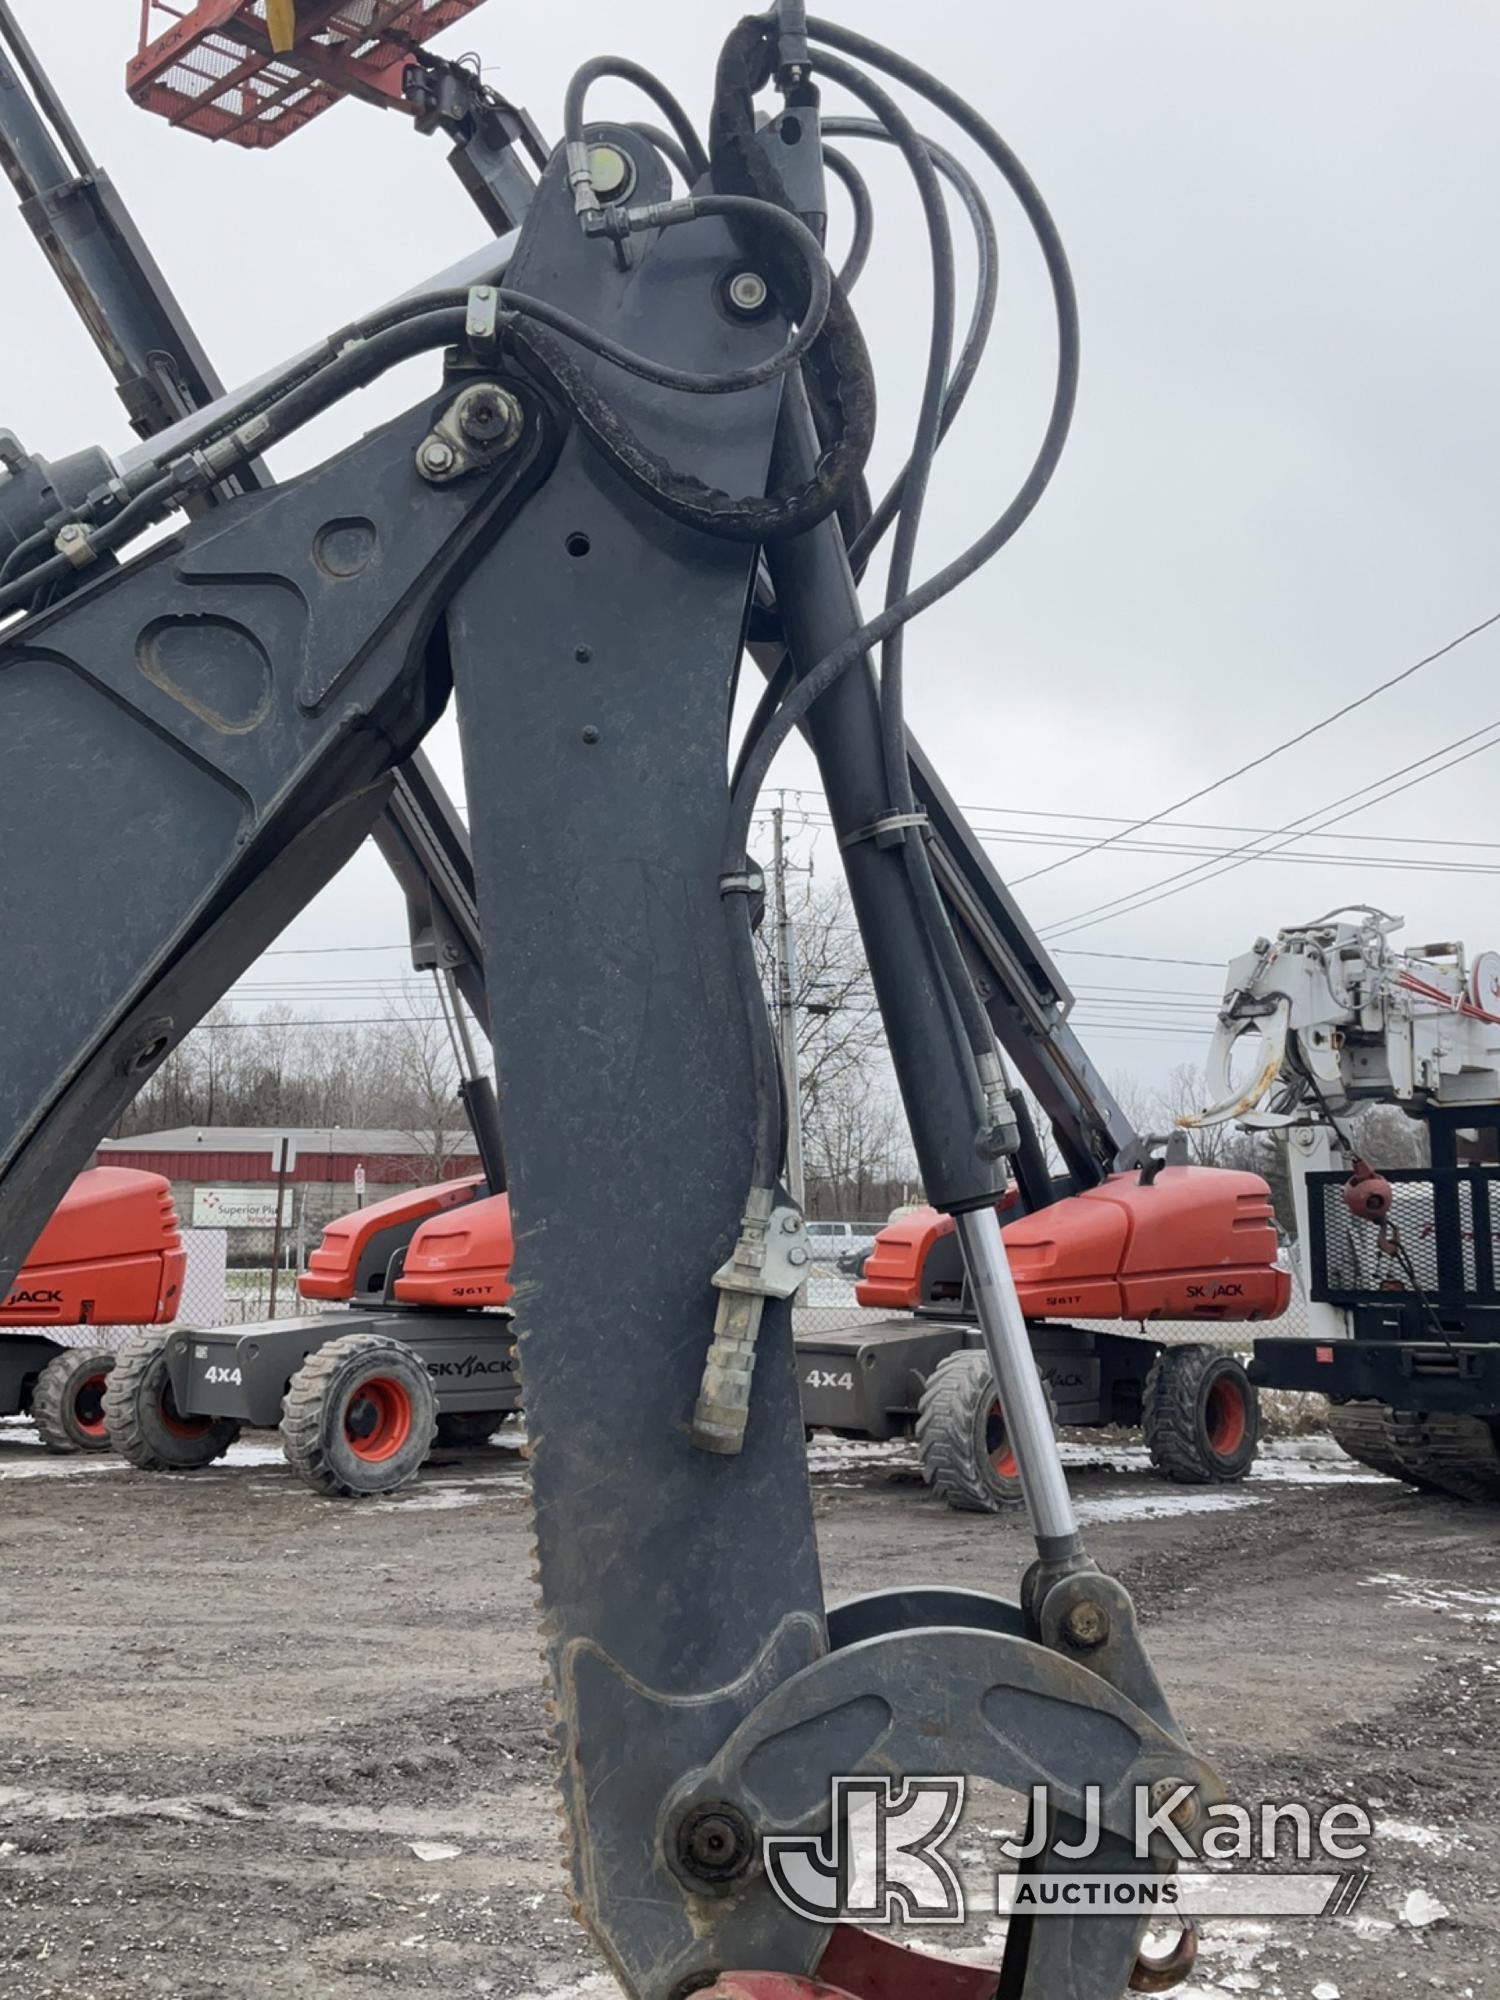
<point x="142" y="1419"/>
<point x="961" y="1437"/>
<point x="466" y="1428"/>
<point x="67" y="1403"/>
<point x="1201" y="1416"/>
<point x="359" y="1383"/>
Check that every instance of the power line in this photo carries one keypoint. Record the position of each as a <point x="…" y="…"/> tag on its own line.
<point x="818" y="818"/>
<point x="322" y="1021"/>
<point x="1141" y="899"/>
<point x="1185" y="825"/>
<point x="1276" y="750"/>
<point x="1140" y="957"/>
<point x="1028" y="837"/>
<point x="328" y="950"/>
<point x="1144" y="1032"/>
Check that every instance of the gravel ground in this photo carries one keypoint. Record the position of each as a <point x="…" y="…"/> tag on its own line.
<point x="230" y="1712"/>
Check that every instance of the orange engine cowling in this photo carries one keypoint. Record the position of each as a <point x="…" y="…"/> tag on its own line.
<point x="354" y="1251"/>
<point x="462" y="1258"/>
<point x="892" y="1276"/>
<point x="110" y="1256"/>
<point x="1193" y="1243"/>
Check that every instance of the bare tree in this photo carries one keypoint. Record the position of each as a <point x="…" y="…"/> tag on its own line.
<point x="271" y="1063"/>
<point x="1184" y="1094"/>
<point x="857" y="1149"/>
<point x="420" y="1075"/>
<point x="855" y="1146"/>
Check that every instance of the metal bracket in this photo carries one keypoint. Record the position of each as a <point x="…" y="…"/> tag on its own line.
<point x="972" y="1699"/>
<point x="771" y="1253"/>
<point x="479" y="426"/>
<point x="769" y="1261"/>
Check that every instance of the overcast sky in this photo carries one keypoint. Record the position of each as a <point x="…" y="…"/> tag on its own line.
<point x="1280" y="489"/>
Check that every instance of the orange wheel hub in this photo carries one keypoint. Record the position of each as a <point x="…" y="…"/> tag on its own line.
<point x="377" y="1419"/>
<point x="88" y="1407"/>
<point x="1225" y="1417"/>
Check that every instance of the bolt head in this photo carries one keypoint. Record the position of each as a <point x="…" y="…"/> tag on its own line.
<point x="713" y="1841"/>
<point x="436" y="456"/>
<point x="716" y="1845"/>
<point x="490" y="415"/>
<point x="1186" y="1811"/>
<point x="748" y="292"/>
<point x="1087" y="1625"/>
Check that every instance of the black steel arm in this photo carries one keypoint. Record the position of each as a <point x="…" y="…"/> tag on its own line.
<point x="164" y="375"/>
<point x="86" y="234"/>
<point x="194" y="744"/>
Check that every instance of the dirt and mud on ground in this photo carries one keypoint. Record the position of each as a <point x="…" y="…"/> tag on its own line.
<point x="261" y="1745"/>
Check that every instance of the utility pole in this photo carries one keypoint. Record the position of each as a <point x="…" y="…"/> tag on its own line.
<point x="786" y="1016"/>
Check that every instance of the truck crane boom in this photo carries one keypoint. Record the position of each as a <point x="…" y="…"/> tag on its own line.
<point x="1398" y="1264"/>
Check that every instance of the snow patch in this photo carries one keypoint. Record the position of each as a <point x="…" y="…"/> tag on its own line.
<point x="831" y="1454"/>
<point x="597" y="1986"/>
<point x="59" y="1468"/>
<point x="1319" y="1471"/>
<point x="437" y="1499"/>
<point x="1415" y="1836"/>
<point x="1471" y="1607"/>
<point x="1228" y="1953"/>
<point x="253" y="1454"/>
<point x="1162" y="1506"/>
<point x="1371" y="1929"/>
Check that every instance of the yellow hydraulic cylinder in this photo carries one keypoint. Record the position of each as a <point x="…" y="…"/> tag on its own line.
<point x="281" y="24"/>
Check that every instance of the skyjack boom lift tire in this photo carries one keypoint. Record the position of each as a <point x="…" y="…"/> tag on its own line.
<point x="67" y="1404"/>
<point x="359" y="1417"/>
<point x="1201" y="1416"/>
<point x="962" y="1445"/>
<point x="141" y="1416"/>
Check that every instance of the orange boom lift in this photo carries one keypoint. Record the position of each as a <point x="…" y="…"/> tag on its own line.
<point x="110" y="1256"/>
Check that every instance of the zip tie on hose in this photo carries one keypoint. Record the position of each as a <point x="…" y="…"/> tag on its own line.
<point x="883" y="831"/>
<point x="748" y="882"/>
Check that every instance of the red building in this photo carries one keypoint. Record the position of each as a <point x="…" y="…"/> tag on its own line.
<point x="330" y="1165"/>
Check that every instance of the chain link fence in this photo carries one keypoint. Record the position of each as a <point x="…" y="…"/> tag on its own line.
<point x="203" y="1301"/>
<point x="229" y="1282"/>
<point x="831" y="1306"/>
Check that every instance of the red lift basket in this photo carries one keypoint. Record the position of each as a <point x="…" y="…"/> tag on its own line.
<point x="210" y="68"/>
